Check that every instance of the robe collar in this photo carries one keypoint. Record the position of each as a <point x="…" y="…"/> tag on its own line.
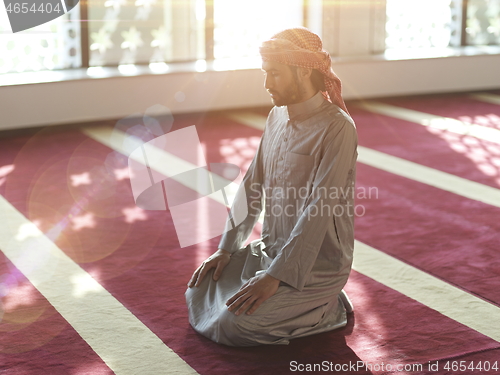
<point x="303" y="108"/>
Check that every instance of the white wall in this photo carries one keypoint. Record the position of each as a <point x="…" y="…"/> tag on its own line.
<point x="363" y="79"/>
<point x="107" y="98"/>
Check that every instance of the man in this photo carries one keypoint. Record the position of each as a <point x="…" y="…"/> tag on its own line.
<point x="289" y="283"/>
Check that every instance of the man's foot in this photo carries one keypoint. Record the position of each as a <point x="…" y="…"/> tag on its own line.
<point x="349" y="308"/>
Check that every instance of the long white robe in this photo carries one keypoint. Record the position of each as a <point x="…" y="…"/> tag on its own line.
<point x="304" y="170"/>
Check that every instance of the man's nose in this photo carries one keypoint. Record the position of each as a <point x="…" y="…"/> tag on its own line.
<point x="267" y="83"/>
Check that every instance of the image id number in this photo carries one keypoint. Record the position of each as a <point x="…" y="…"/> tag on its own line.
<point x="35" y="8"/>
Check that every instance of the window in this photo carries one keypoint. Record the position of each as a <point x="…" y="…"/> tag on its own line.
<point x="123" y="32"/>
<point x="423" y="23"/>
<point x="146" y="31"/>
<point x="240" y="26"/>
<point x="483" y="22"/>
<point x="52" y="45"/>
<point x="440" y="23"/>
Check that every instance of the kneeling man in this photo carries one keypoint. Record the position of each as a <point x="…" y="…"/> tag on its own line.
<point x="287" y="284"/>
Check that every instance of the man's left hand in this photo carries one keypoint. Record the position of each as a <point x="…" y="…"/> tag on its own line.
<point x="253" y="293"/>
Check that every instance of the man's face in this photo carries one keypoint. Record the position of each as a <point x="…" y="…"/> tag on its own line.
<point x="282" y="84"/>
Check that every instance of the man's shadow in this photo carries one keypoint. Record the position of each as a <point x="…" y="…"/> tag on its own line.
<point x="328" y="351"/>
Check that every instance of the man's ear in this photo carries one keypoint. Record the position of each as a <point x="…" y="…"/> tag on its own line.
<point x="304" y="73"/>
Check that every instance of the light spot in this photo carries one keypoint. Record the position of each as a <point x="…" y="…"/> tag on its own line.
<point x="488" y="170"/>
<point x="83" y="221"/>
<point x="200" y="66"/>
<point x="6" y="169"/>
<point x="180" y="96"/>
<point x="80" y="179"/>
<point x="159" y="67"/>
<point x="134" y="214"/>
<point x="122" y="174"/>
<point x="18" y="296"/>
<point x="130" y="69"/>
<point x="27" y="230"/>
<point x="3" y="290"/>
<point x="83" y="284"/>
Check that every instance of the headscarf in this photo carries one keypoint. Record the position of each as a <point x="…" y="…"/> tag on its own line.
<point x="303" y="48"/>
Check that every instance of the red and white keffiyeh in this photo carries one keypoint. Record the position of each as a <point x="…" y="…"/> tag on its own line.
<point x="301" y="47"/>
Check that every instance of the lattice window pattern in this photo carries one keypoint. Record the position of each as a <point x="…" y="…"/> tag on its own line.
<point x="146" y="31"/>
<point x="52" y="45"/>
<point x="240" y="26"/>
<point x="483" y="22"/>
<point x="423" y="23"/>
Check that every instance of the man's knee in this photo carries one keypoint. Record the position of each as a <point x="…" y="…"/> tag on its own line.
<point x="237" y="330"/>
<point x="191" y="295"/>
<point x="199" y="291"/>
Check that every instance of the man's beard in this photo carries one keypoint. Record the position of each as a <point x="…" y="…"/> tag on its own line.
<point x="293" y="94"/>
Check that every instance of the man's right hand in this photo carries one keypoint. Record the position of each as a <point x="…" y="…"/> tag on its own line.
<point x="217" y="260"/>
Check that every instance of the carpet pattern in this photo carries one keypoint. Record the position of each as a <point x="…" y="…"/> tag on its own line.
<point x="63" y="179"/>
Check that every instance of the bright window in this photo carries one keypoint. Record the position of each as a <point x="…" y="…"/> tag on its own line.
<point x="52" y="45"/>
<point x="483" y="22"/>
<point x="124" y="32"/>
<point x="423" y="23"/>
<point x="240" y="26"/>
<point x="146" y="31"/>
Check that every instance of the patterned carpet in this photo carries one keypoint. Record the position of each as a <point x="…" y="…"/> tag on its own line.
<point x="62" y="186"/>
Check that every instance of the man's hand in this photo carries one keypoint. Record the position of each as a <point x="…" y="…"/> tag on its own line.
<point x="217" y="260"/>
<point x="253" y="293"/>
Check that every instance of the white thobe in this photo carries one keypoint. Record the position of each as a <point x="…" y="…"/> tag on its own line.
<point x="303" y="172"/>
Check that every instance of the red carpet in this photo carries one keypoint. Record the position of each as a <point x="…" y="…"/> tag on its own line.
<point x="457" y="106"/>
<point x="462" y="156"/>
<point x="135" y="254"/>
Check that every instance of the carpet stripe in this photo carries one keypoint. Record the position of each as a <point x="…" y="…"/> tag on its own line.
<point x="123" y="342"/>
<point x="161" y="161"/>
<point x="445" y="298"/>
<point x="251" y="119"/>
<point x="437" y="294"/>
<point x="437" y="122"/>
<point x="433" y="177"/>
<point x="488" y="98"/>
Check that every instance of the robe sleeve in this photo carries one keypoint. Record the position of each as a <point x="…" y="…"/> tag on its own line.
<point x="249" y="195"/>
<point x="296" y="259"/>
